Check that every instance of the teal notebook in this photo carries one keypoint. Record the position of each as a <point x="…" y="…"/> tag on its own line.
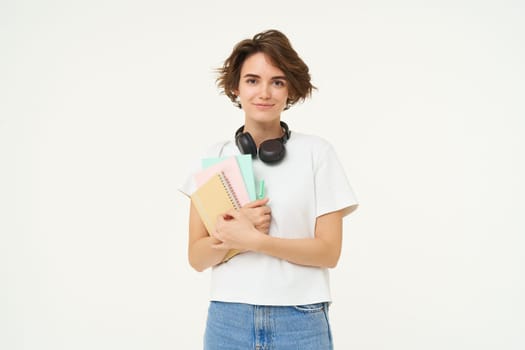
<point x="246" y="166"/>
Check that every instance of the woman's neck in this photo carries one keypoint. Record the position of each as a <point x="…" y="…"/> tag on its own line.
<point x="261" y="132"/>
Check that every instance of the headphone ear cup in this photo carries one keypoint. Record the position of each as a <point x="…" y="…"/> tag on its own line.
<point x="246" y="144"/>
<point x="272" y="151"/>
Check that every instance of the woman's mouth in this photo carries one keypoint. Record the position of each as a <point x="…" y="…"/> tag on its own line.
<point x="263" y="106"/>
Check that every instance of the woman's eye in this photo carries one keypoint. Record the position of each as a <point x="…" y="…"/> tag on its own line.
<point x="251" y="81"/>
<point x="279" y="83"/>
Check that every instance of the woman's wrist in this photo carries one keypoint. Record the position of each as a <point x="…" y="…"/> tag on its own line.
<point x="259" y="241"/>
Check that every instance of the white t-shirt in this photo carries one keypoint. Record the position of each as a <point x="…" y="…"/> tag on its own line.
<point x="307" y="183"/>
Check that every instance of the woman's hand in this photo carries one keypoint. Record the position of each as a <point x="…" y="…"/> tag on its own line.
<point x="236" y="230"/>
<point x="259" y="214"/>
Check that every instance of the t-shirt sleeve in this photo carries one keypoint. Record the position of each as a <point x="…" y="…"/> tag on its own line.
<point x="332" y="189"/>
<point x="189" y="185"/>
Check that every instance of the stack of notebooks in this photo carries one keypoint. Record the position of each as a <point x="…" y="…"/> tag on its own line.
<point x="223" y="184"/>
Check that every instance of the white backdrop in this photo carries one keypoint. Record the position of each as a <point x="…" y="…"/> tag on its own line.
<point x="103" y="104"/>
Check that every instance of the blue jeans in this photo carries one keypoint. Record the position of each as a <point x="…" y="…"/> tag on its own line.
<point x="233" y="326"/>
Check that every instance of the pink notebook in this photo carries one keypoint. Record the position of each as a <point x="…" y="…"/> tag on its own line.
<point x="231" y="170"/>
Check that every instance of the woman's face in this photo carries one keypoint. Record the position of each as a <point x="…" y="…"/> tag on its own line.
<point x="263" y="89"/>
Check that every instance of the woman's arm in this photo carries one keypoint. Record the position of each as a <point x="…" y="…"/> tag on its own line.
<point x="201" y="254"/>
<point x="321" y="251"/>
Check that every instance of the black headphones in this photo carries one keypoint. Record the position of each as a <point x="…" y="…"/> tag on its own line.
<point x="270" y="151"/>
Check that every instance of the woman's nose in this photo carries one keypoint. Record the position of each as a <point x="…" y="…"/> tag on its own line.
<point x="265" y="92"/>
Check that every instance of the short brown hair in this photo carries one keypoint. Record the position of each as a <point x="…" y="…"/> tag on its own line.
<point x="277" y="47"/>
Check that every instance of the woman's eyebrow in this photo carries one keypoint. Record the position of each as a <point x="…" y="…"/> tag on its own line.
<point x="250" y="75"/>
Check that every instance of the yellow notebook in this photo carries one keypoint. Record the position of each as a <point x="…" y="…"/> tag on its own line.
<point x="215" y="197"/>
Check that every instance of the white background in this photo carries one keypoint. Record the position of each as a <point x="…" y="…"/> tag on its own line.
<point x="104" y="104"/>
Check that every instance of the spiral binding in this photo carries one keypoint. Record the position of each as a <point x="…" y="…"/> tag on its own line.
<point x="229" y="189"/>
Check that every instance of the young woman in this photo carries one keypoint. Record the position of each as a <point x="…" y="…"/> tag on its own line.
<point x="274" y="295"/>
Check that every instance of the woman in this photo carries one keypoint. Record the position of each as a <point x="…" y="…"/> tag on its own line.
<point x="276" y="293"/>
